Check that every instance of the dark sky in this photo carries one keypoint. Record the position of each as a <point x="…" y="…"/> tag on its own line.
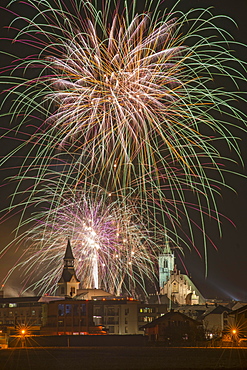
<point x="227" y="272"/>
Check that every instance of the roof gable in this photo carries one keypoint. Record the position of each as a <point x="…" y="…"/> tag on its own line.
<point x="169" y="316"/>
<point x="218" y="311"/>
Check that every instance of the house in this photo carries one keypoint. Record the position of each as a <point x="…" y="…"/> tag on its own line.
<point x="239" y="321"/>
<point x="216" y="320"/>
<point x="174" y="328"/>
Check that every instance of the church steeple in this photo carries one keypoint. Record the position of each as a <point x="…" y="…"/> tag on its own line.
<point x="68" y="283"/>
<point x="68" y="258"/>
<point x="166" y="264"/>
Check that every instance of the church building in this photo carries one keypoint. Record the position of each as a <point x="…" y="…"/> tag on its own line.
<point x="177" y="287"/>
<point x="68" y="284"/>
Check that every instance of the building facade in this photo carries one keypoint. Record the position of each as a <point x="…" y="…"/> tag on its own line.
<point x="216" y="321"/>
<point x="125" y="315"/>
<point x="174" y="328"/>
<point x="69" y="317"/>
<point x="180" y="290"/>
<point x="21" y="311"/>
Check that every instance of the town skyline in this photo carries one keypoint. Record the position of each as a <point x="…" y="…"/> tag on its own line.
<point x="226" y="273"/>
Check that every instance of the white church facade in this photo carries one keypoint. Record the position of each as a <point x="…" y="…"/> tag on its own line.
<point x="177" y="287"/>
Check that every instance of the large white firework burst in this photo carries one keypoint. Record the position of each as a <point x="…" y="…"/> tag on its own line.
<point x="125" y="100"/>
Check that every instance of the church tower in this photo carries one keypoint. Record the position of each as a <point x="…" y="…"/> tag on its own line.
<point x="166" y="265"/>
<point x="68" y="283"/>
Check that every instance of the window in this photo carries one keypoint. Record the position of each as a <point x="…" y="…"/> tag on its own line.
<point x="126" y="311"/>
<point x="148" y="318"/>
<point x="75" y="310"/>
<point x="111" y="329"/>
<point x="147" y="310"/>
<point x="112" y="311"/>
<point x="165" y="264"/>
<point x="112" y="320"/>
<point x="97" y="320"/>
<point x="68" y="309"/>
<point x="175" y="287"/>
<point x="83" y="309"/>
<point x="33" y="312"/>
<point x="60" y="310"/>
<point x="62" y="290"/>
<point x="97" y="310"/>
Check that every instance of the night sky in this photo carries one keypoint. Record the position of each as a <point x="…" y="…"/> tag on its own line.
<point x="227" y="272"/>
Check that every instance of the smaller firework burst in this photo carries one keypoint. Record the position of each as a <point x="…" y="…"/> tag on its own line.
<point x="112" y="247"/>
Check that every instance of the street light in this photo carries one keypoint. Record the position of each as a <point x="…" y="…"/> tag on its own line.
<point x="234" y="336"/>
<point x="23" y="333"/>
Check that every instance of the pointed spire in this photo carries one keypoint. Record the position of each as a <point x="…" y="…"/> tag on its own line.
<point x="68" y="283"/>
<point x="68" y="253"/>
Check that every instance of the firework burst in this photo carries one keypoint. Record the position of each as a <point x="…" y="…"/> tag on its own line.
<point x="112" y="247"/>
<point x="124" y="100"/>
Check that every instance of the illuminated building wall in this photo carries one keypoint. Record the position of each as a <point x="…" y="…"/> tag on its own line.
<point x="179" y="289"/>
<point x="68" y="317"/>
<point x="18" y="311"/>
